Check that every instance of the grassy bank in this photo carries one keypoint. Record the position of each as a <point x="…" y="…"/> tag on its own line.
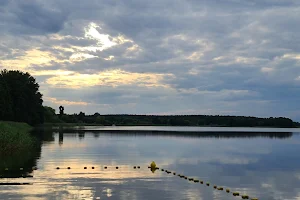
<point x="14" y="137"/>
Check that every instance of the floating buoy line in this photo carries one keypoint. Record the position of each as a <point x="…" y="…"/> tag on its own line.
<point x="153" y="167"/>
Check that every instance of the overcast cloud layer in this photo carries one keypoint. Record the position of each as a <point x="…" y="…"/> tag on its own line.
<point x="227" y="57"/>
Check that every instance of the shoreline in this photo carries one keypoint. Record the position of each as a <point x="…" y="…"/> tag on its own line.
<point x="154" y="125"/>
<point x="182" y="129"/>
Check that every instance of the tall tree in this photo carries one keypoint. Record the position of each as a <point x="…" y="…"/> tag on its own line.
<point x="61" y="110"/>
<point x="6" y="112"/>
<point x="25" y="98"/>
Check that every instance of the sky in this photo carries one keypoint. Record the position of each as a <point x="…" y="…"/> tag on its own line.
<point x="213" y="57"/>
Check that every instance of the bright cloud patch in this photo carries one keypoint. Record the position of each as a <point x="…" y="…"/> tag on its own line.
<point x="65" y="102"/>
<point x="112" y="78"/>
<point x="30" y="57"/>
<point x="81" y="56"/>
<point x="292" y="56"/>
<point x="103" y="40"/>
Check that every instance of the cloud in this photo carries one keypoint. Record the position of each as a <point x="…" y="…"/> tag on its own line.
<point x="112" y="78"/>
<point x="65" y="102"/>
<point x="36" y="18"/>
<point x="206" y="56"/>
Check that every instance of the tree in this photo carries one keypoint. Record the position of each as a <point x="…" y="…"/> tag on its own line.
<point x="100" y="120"/>
<point x="50" y="115"/>
<point x="22" y="97"/>
<point x="96" y="115"/>
<point x="61" y="110"/>
<point x="81" y="116"/>
<point x="156" y="120"/>
<point x="6" y="112"/>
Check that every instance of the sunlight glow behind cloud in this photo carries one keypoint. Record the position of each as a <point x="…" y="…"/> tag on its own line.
<point x="112" y="78"/>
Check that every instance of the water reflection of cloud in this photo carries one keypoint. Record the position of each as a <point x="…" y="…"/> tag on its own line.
<point x="266" y="185"/>
<point x="251" y="167"/>
<point x="108" y="192"/>
<point x="191" y="194"/>
<point x="128" y="195"/>
<point x="222" y="159"/>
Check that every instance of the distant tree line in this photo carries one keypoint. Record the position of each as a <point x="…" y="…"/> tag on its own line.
<point x="177" y="120"/>
<point x="20" y="99"/>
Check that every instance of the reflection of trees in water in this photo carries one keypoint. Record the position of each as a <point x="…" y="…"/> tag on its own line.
<point x="44" y="135"/>
<point x="47" y="136"/>
<point x="215" y="134"/>
<point x="22" y="163"/>
<point x="81" y="135"/>
<point x="60" y="137"/>
<point x="97" y="133"/>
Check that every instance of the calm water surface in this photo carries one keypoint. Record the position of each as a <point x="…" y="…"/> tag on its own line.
<point x="263" y="163"/>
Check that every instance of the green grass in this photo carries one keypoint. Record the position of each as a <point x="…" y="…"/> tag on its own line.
<point x="14" y="137"/>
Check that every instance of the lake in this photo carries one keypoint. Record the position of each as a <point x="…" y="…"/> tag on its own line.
<point x="262" y="163"/>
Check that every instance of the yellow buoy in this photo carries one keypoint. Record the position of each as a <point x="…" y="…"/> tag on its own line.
<point x="152" y="169"/>
<point x="153" y="165"/>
